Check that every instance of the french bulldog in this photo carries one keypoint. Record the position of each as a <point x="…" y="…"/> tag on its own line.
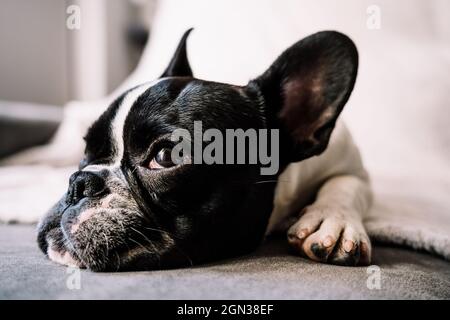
<point x="131" y="207"/>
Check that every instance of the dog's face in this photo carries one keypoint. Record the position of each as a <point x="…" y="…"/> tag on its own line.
<point x="131" y="207"/>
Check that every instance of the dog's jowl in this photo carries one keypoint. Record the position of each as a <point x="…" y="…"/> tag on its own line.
<point x="131" y="206"/>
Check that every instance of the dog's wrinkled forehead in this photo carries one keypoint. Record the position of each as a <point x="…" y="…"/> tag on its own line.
<point x="148" y="111"/>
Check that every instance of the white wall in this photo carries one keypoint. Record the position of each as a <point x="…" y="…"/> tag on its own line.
<point x="42" y="61"/>
<point x="33" y="51"/>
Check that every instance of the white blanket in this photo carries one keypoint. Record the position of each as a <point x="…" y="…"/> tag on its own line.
<point x="398" y="113"/>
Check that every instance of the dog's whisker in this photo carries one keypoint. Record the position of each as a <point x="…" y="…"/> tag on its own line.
<point x="266" y="181"/>
<point x="162" y="231"/>
<point x="118" y="261"/>
<point x="68" y="244"/>
<point x="141" y="245"/>
<point x="145" y="238"/>
<point x="184" y="254"/>
<point x="174" y="245"/>
<point x="147" y="250"/>
<point x="143" y="235"/>
<point x="106" y="244"/>
<point x="134" y="170"/>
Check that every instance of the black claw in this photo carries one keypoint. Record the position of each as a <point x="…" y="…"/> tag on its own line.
<point x="319" y="251"/>
<point x="349" y="259"/>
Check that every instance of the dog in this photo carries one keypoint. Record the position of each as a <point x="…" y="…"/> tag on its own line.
<point x="130" y="207"/>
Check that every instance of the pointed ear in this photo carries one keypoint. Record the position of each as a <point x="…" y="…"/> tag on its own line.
<point x="307" y="87"/>
<point x="179" y="65"/>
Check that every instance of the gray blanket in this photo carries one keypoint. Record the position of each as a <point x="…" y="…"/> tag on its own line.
<point x="269" y="273"/>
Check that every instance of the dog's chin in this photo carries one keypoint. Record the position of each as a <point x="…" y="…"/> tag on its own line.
<point x="95" y="236"/>
<point x="101" y="258"/>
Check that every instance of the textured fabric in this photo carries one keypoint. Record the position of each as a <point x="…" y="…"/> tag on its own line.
<point x="412" y="212"/>
<point x="27" y="192"/>
<point x="269" y="273"/>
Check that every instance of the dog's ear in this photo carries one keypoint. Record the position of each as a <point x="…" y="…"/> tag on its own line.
<point x="306" y="88"/>
<point x="179" y="64"/>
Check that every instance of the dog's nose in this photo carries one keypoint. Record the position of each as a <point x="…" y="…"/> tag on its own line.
<point x="84" y="184"/>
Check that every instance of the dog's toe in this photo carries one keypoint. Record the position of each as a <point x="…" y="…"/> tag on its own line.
<point x="330" y="236"/>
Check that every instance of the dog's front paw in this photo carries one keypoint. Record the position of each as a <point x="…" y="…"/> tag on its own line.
<point x="331" y="234"/>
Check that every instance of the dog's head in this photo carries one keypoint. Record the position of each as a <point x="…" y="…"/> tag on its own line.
<point x="131" y="206"/>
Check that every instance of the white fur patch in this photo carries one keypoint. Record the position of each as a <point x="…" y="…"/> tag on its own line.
<point x="122" y="114"/>
<point x="61" y="257"/>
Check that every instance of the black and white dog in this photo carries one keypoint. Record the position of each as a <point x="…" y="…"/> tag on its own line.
<point x="130" y="207"/>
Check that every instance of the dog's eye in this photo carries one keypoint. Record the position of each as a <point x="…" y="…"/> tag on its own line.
<point x="163" y="159"/>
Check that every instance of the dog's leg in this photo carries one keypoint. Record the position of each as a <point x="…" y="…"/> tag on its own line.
<point x="330" y="229"/>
